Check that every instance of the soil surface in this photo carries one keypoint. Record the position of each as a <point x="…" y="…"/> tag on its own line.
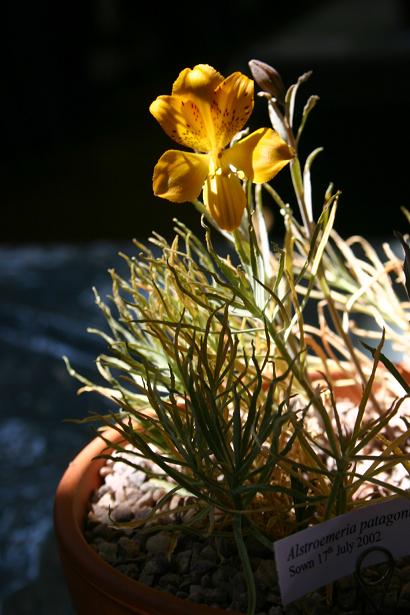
<point x="208" y="570"/>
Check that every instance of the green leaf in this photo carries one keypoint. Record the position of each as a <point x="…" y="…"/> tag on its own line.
<point x="406" y="264"/>
<point x="390" y="366"/>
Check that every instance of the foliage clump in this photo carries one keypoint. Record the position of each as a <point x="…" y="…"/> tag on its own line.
<point x="235" y="364"/>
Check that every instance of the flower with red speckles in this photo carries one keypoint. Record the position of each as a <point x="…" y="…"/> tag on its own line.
<point x="204" y="112"/>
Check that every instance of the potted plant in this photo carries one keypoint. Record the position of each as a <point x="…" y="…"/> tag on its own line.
<point x="243" y="395"/>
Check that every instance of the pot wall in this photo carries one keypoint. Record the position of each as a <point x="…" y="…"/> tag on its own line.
<point x="95" y="586"/>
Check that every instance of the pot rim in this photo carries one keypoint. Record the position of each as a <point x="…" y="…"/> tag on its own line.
<point x="73" y="493"/>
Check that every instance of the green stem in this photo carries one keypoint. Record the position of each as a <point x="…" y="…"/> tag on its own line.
<point x="298" y="188"/>
<point x="276" y="196"/>
<point x="337" y="322"/>
<point x="297" y="182"/>
<point x="306" y="385"/>
<point x="246" y="564"/>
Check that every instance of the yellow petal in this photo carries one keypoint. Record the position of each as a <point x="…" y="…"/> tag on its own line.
<point x="182" y="121"/>
<point x="179" y="176"/>
<point x="231" y="106"/>
<point x="199" y="81"/>
<point x="196" y="88"/>
<point x="261" y="155"/>
<point x="225" y="199"/>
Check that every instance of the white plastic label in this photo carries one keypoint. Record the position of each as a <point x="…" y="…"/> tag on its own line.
<point x="323" y="553"/>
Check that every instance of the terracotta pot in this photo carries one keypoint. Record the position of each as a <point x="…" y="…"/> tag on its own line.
<point x="95" y="586"/>
<point x="353" y="392"/>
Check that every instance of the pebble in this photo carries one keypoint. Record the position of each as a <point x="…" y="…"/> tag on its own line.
<point x="102" y="530"/>
<point x="106" y="500"/>
<point x="239" y="602"/>
<point x="132" y="495"/>
<point x="206" y="580"/>
<point x="203" y="570"/>
<point x="107" y="551"/>
<point x="157" y="564"/>
<point x="147" y="579"/>
<point x="170" y="579"/>
<point x="146" y="500"/>
<point x="201" y="566"/>
<point x="130" y="570"/>
<point x="128" y="548"/>
<point x="105" y="470"/>
<point x="209" y="554"/>
<point x="115" y="483"/>
<point x="188" y="515"/>
<point x="226" y="548"/>
<point x="181" y="594"/>
<point x="137" y="478"/>
<point x="215" y="595"/>
<point x="100" y="492"/>
<point x="122" y="513"/>
<point x="238" y="583"/>
<point x="196" y="593"/>
<point x="159" y="543"/>
<point x="176" y="500"/>
<point x="266" y="573"/>
<point x="226" y="572"/>
<point x="99" y="515"/>
<point x="158" y="494"/>
<point x="141" y="513"/>
<point x="148" y="486"/>
<point x="183" y="561"/>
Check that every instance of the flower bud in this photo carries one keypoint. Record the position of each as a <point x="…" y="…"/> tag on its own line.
<point x="268" y="79"/>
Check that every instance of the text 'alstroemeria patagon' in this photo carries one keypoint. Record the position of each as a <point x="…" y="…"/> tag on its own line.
<point x="204" y="112"/>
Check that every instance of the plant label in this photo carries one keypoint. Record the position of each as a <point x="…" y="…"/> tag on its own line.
<point x="329" y="551"/>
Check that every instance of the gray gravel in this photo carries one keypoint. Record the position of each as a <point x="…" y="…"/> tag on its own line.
<point x="208" y="570"/>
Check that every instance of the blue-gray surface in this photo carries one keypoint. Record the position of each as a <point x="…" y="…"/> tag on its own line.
<point x="46" y="305"/>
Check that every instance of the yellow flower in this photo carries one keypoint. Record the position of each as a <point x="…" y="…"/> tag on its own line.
<point x="204" y="112"/>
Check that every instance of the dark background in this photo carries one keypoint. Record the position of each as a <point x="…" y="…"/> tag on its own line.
<point x="77" y="150"/>
<point x="78" y="144"/>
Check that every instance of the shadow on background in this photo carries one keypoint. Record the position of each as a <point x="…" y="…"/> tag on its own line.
<point x="79" y="144"/>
